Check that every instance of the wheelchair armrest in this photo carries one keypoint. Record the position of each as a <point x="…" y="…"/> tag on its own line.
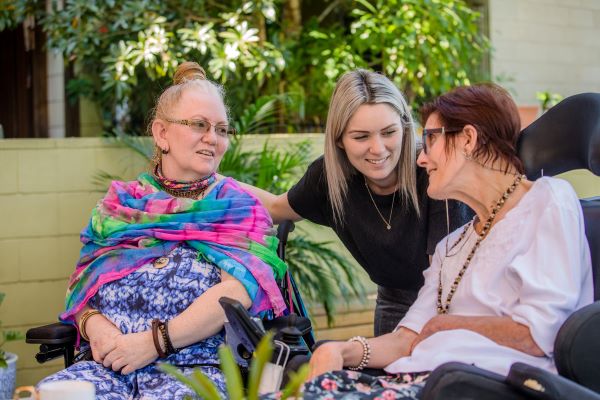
<point x="577" y="348"/>
<point x="542" y="384"/>
<point x="53" y="334"/>
<point x="456" y="380"/>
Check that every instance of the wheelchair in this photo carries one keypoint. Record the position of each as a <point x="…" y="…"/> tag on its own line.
<point x="293" y="334"/>
<point x="567" y="137"/>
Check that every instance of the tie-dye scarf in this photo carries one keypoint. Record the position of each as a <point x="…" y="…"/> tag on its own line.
<point x="136" y="222"/>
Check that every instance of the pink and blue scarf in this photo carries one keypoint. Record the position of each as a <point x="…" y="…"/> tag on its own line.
<point x="136" y="222"/>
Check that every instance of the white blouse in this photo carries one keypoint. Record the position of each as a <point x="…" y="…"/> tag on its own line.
<point x="534" y="266"/>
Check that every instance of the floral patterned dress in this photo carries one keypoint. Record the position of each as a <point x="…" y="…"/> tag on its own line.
<point x="351" y="385"/>
<point x="162" y="290"/>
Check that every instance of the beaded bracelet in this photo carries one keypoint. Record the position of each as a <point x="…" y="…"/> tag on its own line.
<point x="155" y="327"/>
<point x="366" y="356"/>
<point x="83" y="320"/>
<point x="170" y="348"/>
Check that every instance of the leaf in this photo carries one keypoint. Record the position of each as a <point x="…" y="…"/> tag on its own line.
<point x="200" y="384"/>
<point x="233" y="377"/>
<point x="262" y="355"/>
<point x="294" y="385"/>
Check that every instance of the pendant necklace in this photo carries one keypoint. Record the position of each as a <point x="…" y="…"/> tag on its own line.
<point x="388" y="223"/>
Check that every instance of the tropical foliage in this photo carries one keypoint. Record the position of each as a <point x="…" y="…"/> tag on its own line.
<point x="125" y="51"/>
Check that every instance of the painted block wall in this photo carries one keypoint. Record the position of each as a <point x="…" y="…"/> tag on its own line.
<point x="545" y="45"/>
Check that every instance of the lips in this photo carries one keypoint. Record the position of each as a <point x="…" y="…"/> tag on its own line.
<point x="376" y="161"/>
<point x="208" y="153"/>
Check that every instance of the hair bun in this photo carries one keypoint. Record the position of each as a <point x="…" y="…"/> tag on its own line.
<point x="188" y="71"/>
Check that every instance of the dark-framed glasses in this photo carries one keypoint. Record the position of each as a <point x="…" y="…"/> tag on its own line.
<point x="203" y="126"/>
<point x="432" y="134"/>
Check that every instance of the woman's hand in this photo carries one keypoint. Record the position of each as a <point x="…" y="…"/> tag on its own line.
<point x="327" y="357"/>
<point x="131" y="352"/>
<point x="103" y="335"/>
<point x="432" y="326"/>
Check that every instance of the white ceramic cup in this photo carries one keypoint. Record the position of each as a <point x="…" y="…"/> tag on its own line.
<point x="60" y="390"/>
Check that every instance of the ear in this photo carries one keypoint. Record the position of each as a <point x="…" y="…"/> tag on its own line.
<point x="159" y="133"/>
<point x="469" y="139"/>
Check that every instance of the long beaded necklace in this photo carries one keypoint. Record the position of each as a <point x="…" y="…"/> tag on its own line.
<point x="443" y="308"/>
<point x="192" y="190"/>
<point x="388" y="223"/>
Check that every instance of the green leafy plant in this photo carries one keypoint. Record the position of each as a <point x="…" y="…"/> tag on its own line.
<point x="125" y="52"/>
<point x="6" y="336"/>
<point x="548" y="100"/>
<point x="206" y="389"/>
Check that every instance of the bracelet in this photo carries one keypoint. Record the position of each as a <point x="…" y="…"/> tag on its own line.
<point x="83" y="320"/>
<point x="155" y="327"/>
<point x="170" y="348"/>
<point x="366" y="356"/>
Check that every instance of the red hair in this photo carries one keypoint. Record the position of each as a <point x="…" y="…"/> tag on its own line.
<point x="494" y="114"/>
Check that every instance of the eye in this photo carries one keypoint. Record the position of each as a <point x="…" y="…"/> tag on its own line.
<point x="222" y="130"/>
<point x="389" y="133"/>
<point x="200" y="125"/>
<point x="360" y="137"/>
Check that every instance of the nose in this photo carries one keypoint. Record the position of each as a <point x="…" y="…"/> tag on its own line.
<point x="422" y="160"/>
<point x="376" y="145"/>
<point x="210" y="136"/>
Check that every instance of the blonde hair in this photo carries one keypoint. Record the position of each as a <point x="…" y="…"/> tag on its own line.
<point x="188" y="75"/>
<point x="352" y="90"/>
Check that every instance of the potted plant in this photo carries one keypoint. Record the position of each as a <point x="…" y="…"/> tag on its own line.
<point x="8" y="362"/>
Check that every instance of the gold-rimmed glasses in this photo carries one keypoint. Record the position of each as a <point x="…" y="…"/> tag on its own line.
<point x="203" y="126"/>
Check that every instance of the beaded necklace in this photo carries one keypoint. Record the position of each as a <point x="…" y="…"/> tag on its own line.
<point x="192" y="190"/>
<point x="443" y="308"/>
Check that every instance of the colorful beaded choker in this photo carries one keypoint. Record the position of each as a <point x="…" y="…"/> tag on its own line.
<point x="192" y="190"/>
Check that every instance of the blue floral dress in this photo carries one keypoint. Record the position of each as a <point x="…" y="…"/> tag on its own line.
<point x="163" y="290"/>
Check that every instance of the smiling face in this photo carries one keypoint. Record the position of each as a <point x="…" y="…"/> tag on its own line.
<point x="442" y="166"/>
<point x="373" y="143"/>
<point x="192" y="154"/>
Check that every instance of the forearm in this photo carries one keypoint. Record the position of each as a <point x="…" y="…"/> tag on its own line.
<point x="205" y="316"/>
<point x="385" y="349"/>
<point x="95" y="324"/>
<point x="502" y="330"/>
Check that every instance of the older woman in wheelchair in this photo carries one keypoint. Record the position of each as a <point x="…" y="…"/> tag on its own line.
<point x="498" y="288"/>
<point x="160" y="252"/>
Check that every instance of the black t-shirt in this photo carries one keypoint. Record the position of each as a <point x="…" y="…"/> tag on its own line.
<point x="394" y="258"/>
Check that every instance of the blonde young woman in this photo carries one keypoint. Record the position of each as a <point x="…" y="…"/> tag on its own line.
<point x="160" y="251"/>
<point x="369" y="190"/>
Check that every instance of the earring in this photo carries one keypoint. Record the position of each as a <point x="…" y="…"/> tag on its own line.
<point x="164" y="151"/>
<point x="467" y="156"/>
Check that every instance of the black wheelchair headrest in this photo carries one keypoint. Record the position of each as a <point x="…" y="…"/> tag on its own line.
<point x="566" y="137"/>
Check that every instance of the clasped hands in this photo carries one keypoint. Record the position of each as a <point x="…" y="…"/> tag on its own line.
<point x="118" y="351"/>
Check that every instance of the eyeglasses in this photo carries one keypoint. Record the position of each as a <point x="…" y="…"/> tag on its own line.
<point x="431" y="135"/>
<point x="203" y="126"/>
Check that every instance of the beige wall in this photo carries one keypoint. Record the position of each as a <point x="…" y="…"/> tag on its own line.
<point x="545" y="45"/>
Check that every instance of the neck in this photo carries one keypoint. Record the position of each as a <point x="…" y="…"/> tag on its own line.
<point x="387" y="186"/>
<point x="482" y="191"/>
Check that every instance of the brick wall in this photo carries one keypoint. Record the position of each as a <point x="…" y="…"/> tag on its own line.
<point x="545" y="45"/>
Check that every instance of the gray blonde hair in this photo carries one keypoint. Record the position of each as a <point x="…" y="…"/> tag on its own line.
<point x="352" y="90"/>
<point x="188" y="75"/>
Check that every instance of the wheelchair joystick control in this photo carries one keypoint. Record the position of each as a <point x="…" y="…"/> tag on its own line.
<point x="291" y="335"/>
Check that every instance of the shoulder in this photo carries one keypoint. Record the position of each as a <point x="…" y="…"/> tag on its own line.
<point x="227" y="187"/>
<point x="554" y="193"/>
